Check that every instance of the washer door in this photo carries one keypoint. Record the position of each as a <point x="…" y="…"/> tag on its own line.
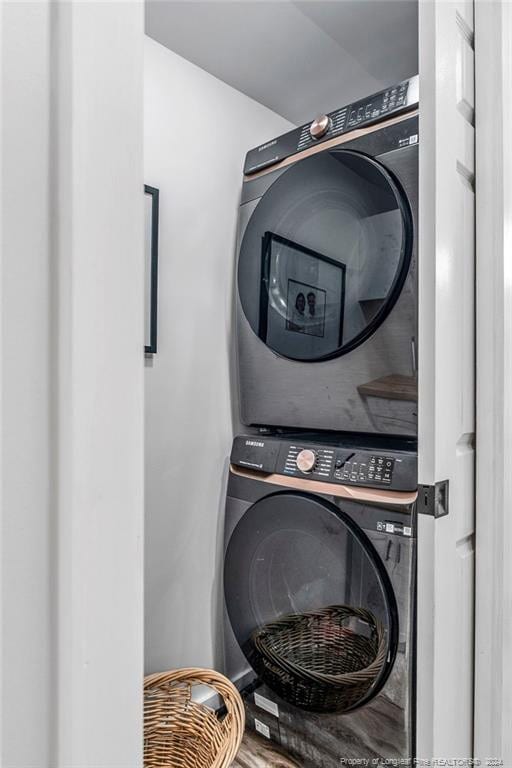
<point x="294" y="565"/>
<point x="324" y="256"/>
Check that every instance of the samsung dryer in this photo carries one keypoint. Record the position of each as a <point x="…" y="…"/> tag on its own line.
<point x="326" y="272"/>
<point x="319" y="588"/>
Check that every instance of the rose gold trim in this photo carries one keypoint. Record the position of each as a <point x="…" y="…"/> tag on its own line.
<point x="356" y="134"/>
<point x="331" y="489"/>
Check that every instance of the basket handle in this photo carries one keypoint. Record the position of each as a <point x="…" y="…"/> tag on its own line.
<point x="221" y="685"/>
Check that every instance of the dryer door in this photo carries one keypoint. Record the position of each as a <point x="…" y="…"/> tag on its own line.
<point x="324" y="256"/>
<point x="310" y="602"/>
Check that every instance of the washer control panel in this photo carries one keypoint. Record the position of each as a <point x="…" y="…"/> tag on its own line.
<point x="335" y="463"/>
<point x="376" y="468"/>
<point x="398" y="98"/>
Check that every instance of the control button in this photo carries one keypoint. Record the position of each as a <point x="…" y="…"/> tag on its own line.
<point x="339" y="463"/>
<point x="306" y="460"/>
<point x="320" y="126"/>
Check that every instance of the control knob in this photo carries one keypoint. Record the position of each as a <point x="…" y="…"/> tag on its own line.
<point x="320" y="126"/>
<point x="306" y="460"/>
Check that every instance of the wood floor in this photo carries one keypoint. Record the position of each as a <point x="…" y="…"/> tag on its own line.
<point x="257" y="752"/>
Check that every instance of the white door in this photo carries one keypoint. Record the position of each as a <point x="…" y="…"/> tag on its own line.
<point x="446" y="378"/>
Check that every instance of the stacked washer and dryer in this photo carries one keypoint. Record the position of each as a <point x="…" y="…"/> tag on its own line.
<point x="320" y="527"/>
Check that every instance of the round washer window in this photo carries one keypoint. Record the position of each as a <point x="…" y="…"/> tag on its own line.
<point x="324" y="256"/>
<point x="310" y="602"/>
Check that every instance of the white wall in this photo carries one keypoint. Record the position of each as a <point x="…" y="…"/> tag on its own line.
<point x="197" y="130"/>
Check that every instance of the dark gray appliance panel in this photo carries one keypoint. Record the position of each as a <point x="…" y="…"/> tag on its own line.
<point x="384" y="727"/>
<point x="371" y="389"/>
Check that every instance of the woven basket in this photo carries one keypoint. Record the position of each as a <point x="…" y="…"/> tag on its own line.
<point x="181" y="733"/>
<point x="316" y="662"/>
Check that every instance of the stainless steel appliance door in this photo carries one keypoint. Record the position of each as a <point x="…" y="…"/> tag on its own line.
<point x="294" y="564"/>
<point x="325" y="255"/>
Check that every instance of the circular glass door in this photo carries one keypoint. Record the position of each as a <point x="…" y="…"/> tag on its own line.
<point x="310" y="603"/>
<point x="324" y="256"/>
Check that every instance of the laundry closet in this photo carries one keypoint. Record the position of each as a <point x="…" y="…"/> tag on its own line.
<point x="309" y="405"/>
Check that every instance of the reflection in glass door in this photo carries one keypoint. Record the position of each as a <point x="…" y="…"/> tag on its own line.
<point x="325" y="255"/>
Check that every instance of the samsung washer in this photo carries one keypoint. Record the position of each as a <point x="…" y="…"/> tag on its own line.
<point x="315" y="527"/>
<point x="326" y="272"/>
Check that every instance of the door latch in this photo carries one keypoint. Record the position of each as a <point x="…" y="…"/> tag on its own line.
<point x="433" y="500"/>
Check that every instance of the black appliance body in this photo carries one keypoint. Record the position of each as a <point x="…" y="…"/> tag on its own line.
<point x="313" y="523"/>
<point x="326" y="299"/>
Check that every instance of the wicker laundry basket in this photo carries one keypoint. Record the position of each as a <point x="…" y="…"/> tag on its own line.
<point x="316" y="662"/>
<point x="182" y="733"/>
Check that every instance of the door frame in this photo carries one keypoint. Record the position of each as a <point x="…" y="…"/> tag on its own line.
<point x="58" y="571"/>
<point x="493" y="594"/>
<point x="72" y="408"/>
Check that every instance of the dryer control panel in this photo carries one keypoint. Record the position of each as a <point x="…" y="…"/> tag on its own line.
<point x="398" y="98"/>
<point x="334" y="463"/>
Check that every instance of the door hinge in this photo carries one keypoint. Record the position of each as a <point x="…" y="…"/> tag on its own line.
<point x="433" y="500"/>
